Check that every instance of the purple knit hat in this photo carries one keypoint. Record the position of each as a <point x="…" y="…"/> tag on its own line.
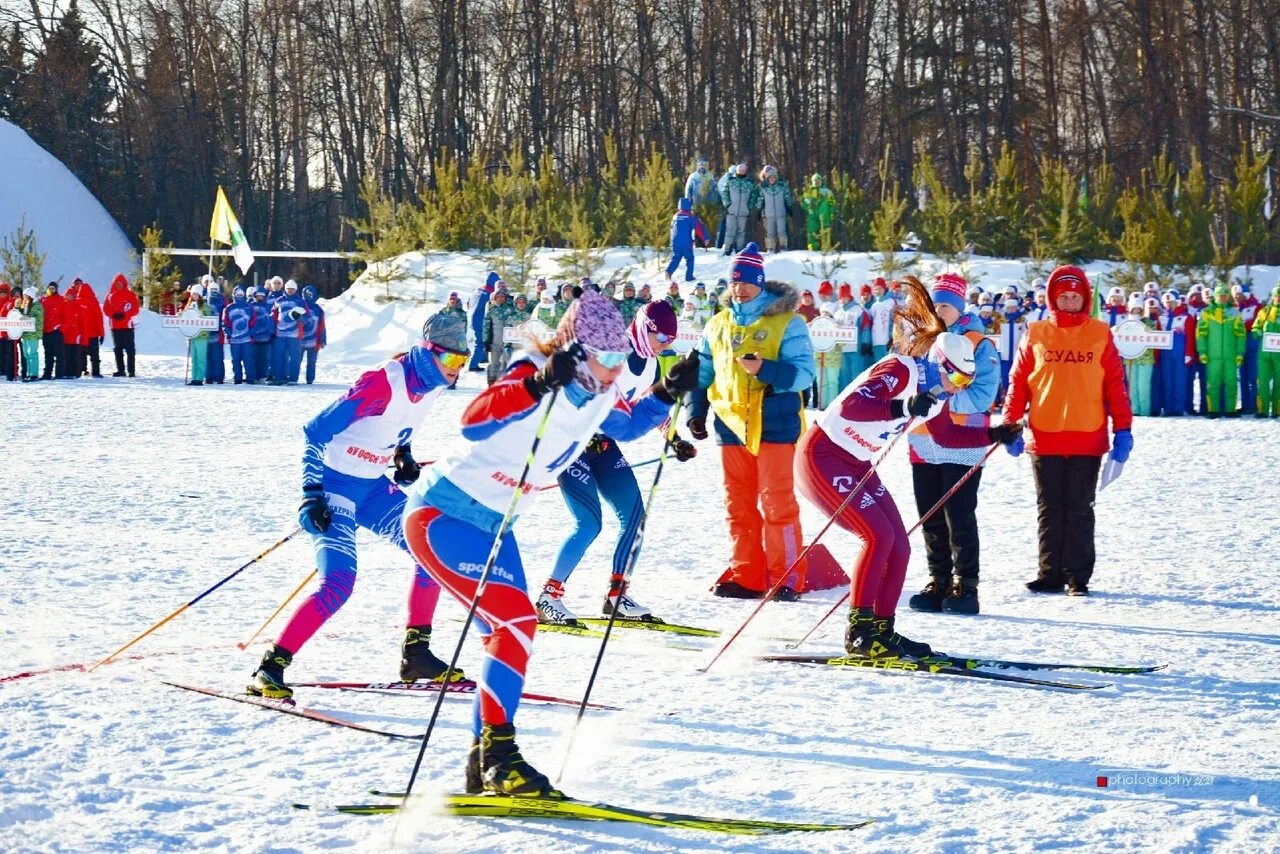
<point x="656" y="316"/>
<point x="748" y="266"/>
<point x="593" y="321"/>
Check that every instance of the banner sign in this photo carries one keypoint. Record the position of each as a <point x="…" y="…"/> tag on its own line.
<point x="1133" y="338"/>
<point x="190" y="323"/>
<point x="1271" y="342"/>
<point x="17" y="323"/>
<point x="826" y="334"/>
<point x="687" y="337"/>
<point x="535" y="329"/>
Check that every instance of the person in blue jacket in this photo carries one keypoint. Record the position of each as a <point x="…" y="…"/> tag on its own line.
<point x="685" y="229"/>
<point x="476" y="309"/>
<point x="314" y="336"/>
<point x="215" y="361"/>
<point x="237" y="321"/>
<point x="288" y="313"/>
<point x="1172" y="374"/>
<point x="261" y="333"/>
<point x="345" y="486"/>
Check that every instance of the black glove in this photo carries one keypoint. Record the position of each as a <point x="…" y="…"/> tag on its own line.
<point x="1005" y="434"/>
<point x="697" y="428"/>
<point x="683" y="449"/>
<point x="407" y="468"/>
<point x="681" y="379"/>
<point x="917" y="405"/>
<point x="314" y="514"/>
<point x="119" y="315"/>
<point x="866" y="349"/>
<point x="558" y="371"/>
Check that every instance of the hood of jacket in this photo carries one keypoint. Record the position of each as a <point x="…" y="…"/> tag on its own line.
<point x="774" y="298"/>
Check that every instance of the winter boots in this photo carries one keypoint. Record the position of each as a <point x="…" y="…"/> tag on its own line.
<point x="268" y="679"/>
<point x="869" y="636"/>
<point x="930" y="598"/>
<point x="963" y="598"/>
<point x="1044" y="585"/>
<point x="504" y="771"/>
<point x="418" y="662"/>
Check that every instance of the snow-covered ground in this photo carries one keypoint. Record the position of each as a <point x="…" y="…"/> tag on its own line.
<point x="124" y="499"/>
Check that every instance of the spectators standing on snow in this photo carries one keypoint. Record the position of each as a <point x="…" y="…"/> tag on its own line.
<point x="287" y="313"/>
<point x="1268" y="320"/>
<point x="775" y="202"/>
<point x="72" y="364"/>
<point x="121" y="307"/>
<point x="1220" y="338"/>
<point x="261" y="333"/>
<point x="215" y="358"/>
<point x="8" y="353"/>
<point x="237" y="326"/>
<point x="819" y="205"/>
<point x="740" y="199"/>
<point x="55" y="306"/>
<point x="30" y="307"/>
<point x="1247" y="304"/>
<point x="881" y="312"/>
<point x="314" y="335"/>
<point x="476" y="309"/>
<point x="198" y="346"/>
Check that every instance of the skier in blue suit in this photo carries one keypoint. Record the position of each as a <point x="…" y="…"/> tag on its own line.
<point x="237" y="322"/>
<point x="685" y="228"/>
<point x="475" y="316"/>
<point x="314" y="336"/>
<point x="261" y="333"/>
<point x="288" y="313"/>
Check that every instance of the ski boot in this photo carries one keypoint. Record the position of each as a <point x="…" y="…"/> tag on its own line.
<point x="786" y="594"/>
<point x="551" y="607"/>
<point x="734" y="590"/>
<point x="864" y="638"/>
<point x="963" y="598"/>
<point x="505" y="772"/>
<point x="913" y="649"/>
<point x="931" y="597"/>
<point x="268" y="679"/>
<point x="628" y="608"/>
<point x="418" y="662"/>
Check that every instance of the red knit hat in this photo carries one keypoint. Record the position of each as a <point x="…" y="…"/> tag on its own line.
<point x="880" y="283"/>
<point x="846" y="291"/>
<point x="865" y="291"/>
<point x="825" y="289"/>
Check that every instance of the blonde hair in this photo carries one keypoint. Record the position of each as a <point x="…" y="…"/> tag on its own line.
<point x="916" y="325"/>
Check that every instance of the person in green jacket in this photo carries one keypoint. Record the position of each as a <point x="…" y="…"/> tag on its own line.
<point x="454" y="306"/>
<point x="819" y="204"/>
<point x="629" y="305"/>
<point x="1220" y="341"/>
<point x="198" y="345"/>
<point x="1267" y="320"/>
<point x="30" y="307"/>
<point x="499" y="315"/>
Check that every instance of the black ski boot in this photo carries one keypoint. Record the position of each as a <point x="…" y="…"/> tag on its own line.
<point x="864" y="638"/>
<point x="505" y="771"/>
<point x="418" y="662"/>
<point x="930" y="598"/>
<point x="268" y="679"/>
<point x="963" y="598"/>
<point x="913" y="649"/>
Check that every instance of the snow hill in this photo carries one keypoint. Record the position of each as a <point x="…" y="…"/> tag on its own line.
<point x="71" y="226"/>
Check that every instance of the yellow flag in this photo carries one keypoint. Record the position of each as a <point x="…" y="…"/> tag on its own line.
<point x="225" y="228"/>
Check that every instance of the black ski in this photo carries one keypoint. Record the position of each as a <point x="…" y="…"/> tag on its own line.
<point x="927" y="667"/>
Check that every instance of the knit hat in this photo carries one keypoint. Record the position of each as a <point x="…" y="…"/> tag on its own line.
<point x="748" y="266"/>
<point x="1135" y="300"/>
<point x="825" y="289"/>
<point x="949" y="289"/>
<point x="291" y="285"/>
<point x="251" y="290"/>
<point x="1152" y="302"/>
<point x="864" y="291"/>
<point x="654" y="317"/>
<point x="30" y="293"/>
<point x="1221" y="291"/>
<point x="685" y="204"/>
<point x="1068" y="278"/>
<point x="846" y="291"/>
<point x="445" y="330"/>
<point x="238" y="291"/>
<point x="1116" y="291"/>
<point x="593" y="321"/>
<point x="196" y="290"/>
<point x="880" y="283"/>
<point x="1012" y="302"/>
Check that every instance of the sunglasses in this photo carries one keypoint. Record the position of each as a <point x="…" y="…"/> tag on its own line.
<point x="451" y="359"/>
<point x="663" y="338"/>
<point x="958" y="378"/>
<point x="608" y="359"/>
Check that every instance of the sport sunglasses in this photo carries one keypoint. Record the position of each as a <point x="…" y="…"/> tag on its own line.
<point x="607" y="358"/>
<point x="451" y="359"/>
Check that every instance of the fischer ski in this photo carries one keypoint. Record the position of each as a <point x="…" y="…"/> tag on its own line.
<point x="570" y="809"/>
<point x="433" y="687"/>
<point x="927" y="667"/>
<point x="1002" y="664"/>
<point x="654" y="624"/>
<point x="289" y="708"/>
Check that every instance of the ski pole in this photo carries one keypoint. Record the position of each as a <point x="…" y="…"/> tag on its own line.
<point x="242" y="568"/>
<point x="277" y="611"/>
<point x="632" y="557"/>
<point x="480" y="585"/>
<point x="925" y="518"/>
<point x="803" y="554"/>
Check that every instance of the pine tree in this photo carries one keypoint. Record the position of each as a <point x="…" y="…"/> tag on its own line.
<point x="941" y="224"/>
<point x="512" y="223"/>
<point x="999" y="210"/>
<point x="13" y="64"/>
<point x="1246" y="227"/>
<point x="21" y="261"/>
<point x="887" y="227"/>
<point x="553" y="203"/>
<point x="1101" y="208"/>
<point x="382" y="235"/>
<point x="1060" y="231"/>
<point x="149" y="278"/>
<point x="851" y="218"/>
<point x="612" y="214"/>
<point x="653" y="195"/>
<point x="585" y="255"/>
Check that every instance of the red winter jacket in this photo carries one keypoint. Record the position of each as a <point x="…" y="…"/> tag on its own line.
<point x="6" y="305"/>
<point x="55" y="309"/>
<point x="90" y="312"/>
<point x="72" y="322"/>
<point x="122" y="301"/>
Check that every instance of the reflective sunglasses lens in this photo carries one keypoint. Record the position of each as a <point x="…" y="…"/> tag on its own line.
<point x="662" y="337"/>
<point x="609" y="358"/>
<point x="959" y="380"/>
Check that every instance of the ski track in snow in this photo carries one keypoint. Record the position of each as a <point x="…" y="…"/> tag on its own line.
<point x="133" y="497"/>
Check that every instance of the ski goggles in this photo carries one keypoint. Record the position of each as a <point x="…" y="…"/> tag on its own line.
<point x="451" y="359"/>
<point x="608" y="359"/>
<point x="663" y="338"/>
<point x="957" y="377"/>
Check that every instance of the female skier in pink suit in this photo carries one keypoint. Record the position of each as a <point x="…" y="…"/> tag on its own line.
<point x="837" y="452"/>
<point x="457" y="508"/>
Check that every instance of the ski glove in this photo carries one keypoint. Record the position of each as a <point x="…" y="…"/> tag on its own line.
<point x="918" y="405"/>
<point x="119" y="315"/>
<point x="1204" y="360"/>
<point x="866" y="350"/>
<point x="407" y="468"/>
<point x="1005" y="434"/>
<point x="1121" y="445"/>
<point x="697" y="428"/>
<point x="560" y="369"/>
<point x="681" y="379"/>
<point x="314" y="514"/>
<point x="1239" y="361"/>
<point x="683" y="449"/>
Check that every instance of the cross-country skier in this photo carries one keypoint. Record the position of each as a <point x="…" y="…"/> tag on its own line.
<point x="603" y="470"/>
<point x="907" y="386"/>
<point x="344" y="486"/>
<point x="458" y="507"/>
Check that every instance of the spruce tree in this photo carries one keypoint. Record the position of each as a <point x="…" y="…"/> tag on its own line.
<point x="653" y="196"/>
<point x="941" y="224"/>
<point x="888" y="229"/>
<point x="21" y="261"/>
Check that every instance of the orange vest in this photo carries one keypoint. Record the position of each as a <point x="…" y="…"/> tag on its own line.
<point x="1068" y="368"/>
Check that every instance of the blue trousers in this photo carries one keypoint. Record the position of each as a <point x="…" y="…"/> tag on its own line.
<point x="678" y="255"/>
<point x="288" y="355"/>
<point x="261" y="360"/>
<point x="609" y="474"/>
<point x="216" y="367"/>
<point x="1174" y="380"/>
<point x="1249" y="376"/>
<point x="241" y="362"/>
<point x="310" y="354"/>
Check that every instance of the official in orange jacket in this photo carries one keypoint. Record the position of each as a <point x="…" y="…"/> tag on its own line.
<point x="92" y="331"/>
<point x="1068" y="371"/>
